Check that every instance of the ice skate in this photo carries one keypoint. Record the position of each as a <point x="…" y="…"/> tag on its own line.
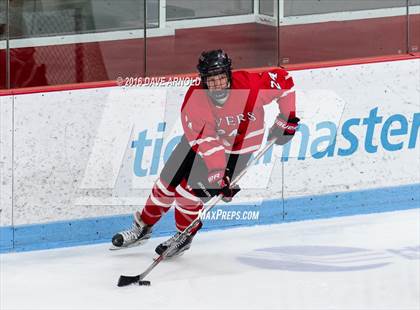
<point x="137" y="235"/>
<point x="179" y="244"/>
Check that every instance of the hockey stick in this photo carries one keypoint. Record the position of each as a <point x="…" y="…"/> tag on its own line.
<point x="127" y="280"/>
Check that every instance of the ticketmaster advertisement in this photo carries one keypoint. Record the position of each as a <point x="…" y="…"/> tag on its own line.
<point x="90" y="157"/>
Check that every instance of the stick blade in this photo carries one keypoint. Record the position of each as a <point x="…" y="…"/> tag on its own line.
<point x="127" y="280"/>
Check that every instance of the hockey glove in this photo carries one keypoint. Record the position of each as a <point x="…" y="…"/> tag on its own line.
<point x="283" y="129"/>
<point x="221" y="180"/>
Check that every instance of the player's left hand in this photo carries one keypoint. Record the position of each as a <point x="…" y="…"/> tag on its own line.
<point x="283" y="129"/>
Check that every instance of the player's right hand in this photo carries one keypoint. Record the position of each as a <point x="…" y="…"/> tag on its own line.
<point x="222" y="181"/>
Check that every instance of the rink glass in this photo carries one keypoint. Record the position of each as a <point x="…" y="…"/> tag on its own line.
<point x="62" y="42"/>
<point x="3" y="37"/>
<point x="413" y="20"/>
<point x="341" y="30"/>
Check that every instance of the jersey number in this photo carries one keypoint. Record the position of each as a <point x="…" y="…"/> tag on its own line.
<point x="273" y="82"/>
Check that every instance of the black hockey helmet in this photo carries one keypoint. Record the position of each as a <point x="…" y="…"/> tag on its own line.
<point x="213" y="63"/>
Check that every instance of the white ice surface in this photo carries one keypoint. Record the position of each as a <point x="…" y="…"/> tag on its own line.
<point x="223" y="270"/>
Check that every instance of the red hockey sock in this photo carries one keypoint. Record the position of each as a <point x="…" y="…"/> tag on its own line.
<point x="187" y="207"/>
<point x="158" y="203"/>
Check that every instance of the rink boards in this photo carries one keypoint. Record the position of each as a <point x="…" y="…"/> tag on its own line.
<point x="75" y="163"/>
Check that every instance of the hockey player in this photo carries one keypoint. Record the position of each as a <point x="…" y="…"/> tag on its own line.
<point x="223" y="122"/>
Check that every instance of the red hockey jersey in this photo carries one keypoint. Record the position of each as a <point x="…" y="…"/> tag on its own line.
<point x="238" y="126"/>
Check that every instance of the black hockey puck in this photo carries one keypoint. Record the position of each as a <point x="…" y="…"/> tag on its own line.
<point x="144" y="282"/>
